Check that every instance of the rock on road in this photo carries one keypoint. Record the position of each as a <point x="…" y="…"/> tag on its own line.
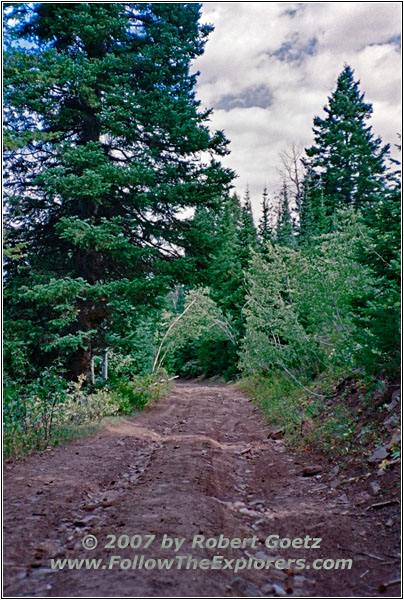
<point x="197" y="463"/>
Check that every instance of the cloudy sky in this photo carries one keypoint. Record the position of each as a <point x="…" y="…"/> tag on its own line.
<point x="269" y="67"/>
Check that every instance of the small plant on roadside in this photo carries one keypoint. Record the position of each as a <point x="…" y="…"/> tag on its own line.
<point x="49" y="409"/>
<point x="396" y="450"/>
<point x="30" y="410"/>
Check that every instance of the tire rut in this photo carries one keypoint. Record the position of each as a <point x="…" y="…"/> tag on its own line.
<point x="197" y="463"/>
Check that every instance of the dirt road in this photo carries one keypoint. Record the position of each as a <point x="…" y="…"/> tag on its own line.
<point x="198" y="463"/>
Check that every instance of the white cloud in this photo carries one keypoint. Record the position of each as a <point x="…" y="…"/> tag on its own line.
<point x="290" y="54"/>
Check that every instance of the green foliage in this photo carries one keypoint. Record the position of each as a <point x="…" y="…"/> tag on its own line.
<point x="226" y="272"/>
<point x="247" y="238"/>
<point x="378" y="308"/>
<point x="138" y="351"/>
<point x="336" y="300"/>
<point x="298" y="310"/>
<point x="265" y="229"/>
<point x="187" y="334"/>
<point x="30" y="410"/>
<point x="134" y="393"/>
<point x="309" y="422"/>
<point x="333" y="433"/>
<point x="345" y="165"/>
<point x="207" y="358"/>
<point x="278" y="397"/>
<point x="274" y="337"/>
<point x="327" y="291"/>
<point x="99" y="169"/>
<point x="285" y="230"/>
<point x="50" y="410"/>
<point x="236" y="236"/>
<point x="314" y="220"/>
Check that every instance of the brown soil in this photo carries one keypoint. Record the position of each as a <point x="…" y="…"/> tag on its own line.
<point x="198" y="462"/>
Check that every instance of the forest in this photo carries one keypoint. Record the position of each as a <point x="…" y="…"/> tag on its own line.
<point x="129" y="259"/>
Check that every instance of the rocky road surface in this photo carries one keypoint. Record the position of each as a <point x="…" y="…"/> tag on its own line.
<point x="195" y="466"/>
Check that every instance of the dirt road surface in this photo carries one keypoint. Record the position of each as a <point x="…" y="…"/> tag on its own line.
<point x="198" y="463"/>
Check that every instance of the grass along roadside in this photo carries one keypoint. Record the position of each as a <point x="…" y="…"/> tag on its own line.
<point x="348" y="421"/>
<point x="50" y="411"/>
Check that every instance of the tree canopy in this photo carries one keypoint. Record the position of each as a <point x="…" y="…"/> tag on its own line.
<point x="346" y="163"/>
<point x="104" y="139"/>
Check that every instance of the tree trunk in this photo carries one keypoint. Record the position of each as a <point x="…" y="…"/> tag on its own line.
<point x="80" y="363"/>
<point x="91" y="316"/>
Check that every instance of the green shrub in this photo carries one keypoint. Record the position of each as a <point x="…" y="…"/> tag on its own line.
<point x="200" y="340"/>
<point x="30" y="410"/>
<point x="50" y="409"/>
<point x="298" y="308"/>
<point x="278" y="397"/>
<point x="314" y="421"/>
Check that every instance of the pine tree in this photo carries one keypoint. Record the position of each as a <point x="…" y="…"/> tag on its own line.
<point x="346" y="160"/>
<point x="202" y="245"/>
<point x="313" y="214"/>
<point x="226" y="273"/>
<point x="247" y="233"/>
<point x="235" y="237"/>
<point x="378" y="309"/>
<point x="103" y="135"/>
<point x="265" y="232"/>
<point x="285" y="229"/>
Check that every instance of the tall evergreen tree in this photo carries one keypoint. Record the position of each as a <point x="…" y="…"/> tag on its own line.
<point x="202" y="245"/>
<point x="235" y="237"/>
<point x="285" y="229"/>
<point x="226" y="273"/>
<point x="346" y="161"/>
<point x="265" y="231"/>
<point x="247" y="233"/>
<point x="103" y="135"/>
<point x="313" y="218"/>
<point x="378" y="309"/>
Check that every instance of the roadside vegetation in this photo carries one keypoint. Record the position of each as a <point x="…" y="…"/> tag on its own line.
<point x="344" y="423"/>
<point x="50" y="410"/>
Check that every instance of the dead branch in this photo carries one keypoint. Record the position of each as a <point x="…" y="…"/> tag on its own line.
<point x="381" y="504"/>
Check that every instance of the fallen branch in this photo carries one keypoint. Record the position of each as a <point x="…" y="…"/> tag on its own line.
<point x="381" y="504"/>
<point x="383" y="586"/>
<point x="165" y="380"/>
<point x="360" y="552"/>
<point x="299" y="382"/>
<point x="246" y="449"/>
<point x="393" y="582"/>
